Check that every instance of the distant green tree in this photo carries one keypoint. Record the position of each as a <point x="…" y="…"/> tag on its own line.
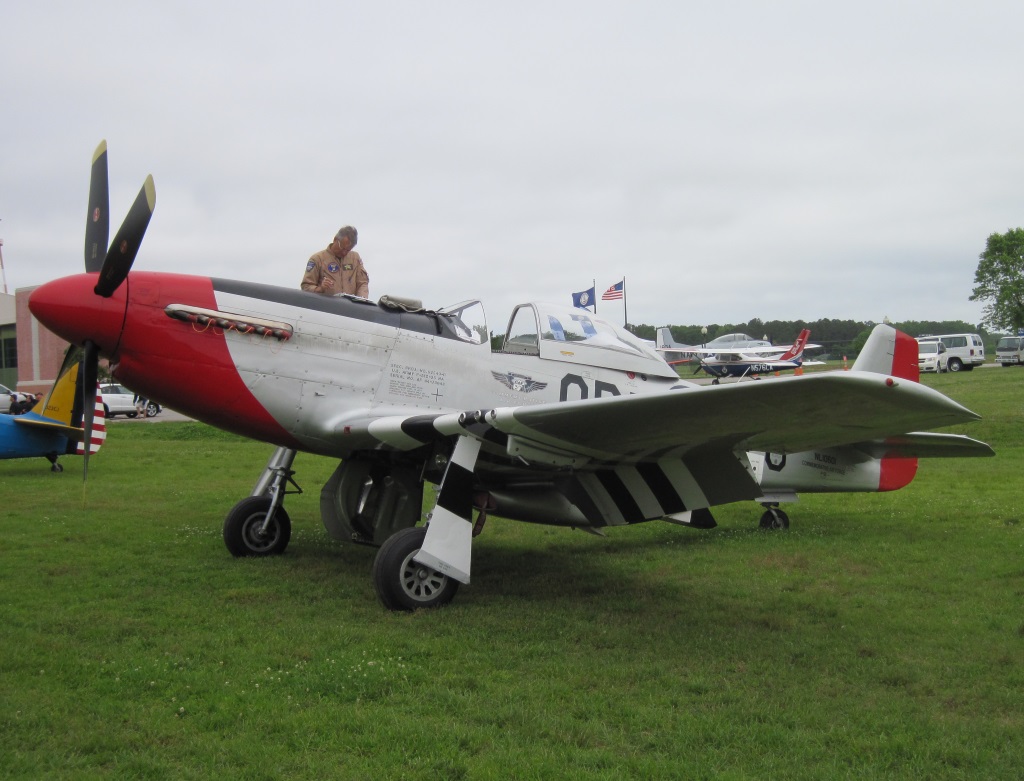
<point x="999" y="280"/>
<point x="643" y="331"/>
<point x="860" y="340"/>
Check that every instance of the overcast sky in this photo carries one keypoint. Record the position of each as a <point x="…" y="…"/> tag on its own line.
<point x="780" y="160"/>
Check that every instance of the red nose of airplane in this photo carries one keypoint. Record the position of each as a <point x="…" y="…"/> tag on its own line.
<point x="71" y="309"/>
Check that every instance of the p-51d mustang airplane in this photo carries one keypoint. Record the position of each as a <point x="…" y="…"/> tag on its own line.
<point x="574" y="422"/>
<point x="737" y="355"/>
<point x="53" y="427"/>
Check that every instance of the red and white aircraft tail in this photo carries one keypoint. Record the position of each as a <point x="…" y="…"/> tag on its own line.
<point x="98" y="434"/>
<point x="892" y="352"/>
<point x="796" y="352"/>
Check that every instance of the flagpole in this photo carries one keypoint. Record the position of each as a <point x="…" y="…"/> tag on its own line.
<point x="625" y="316"/>
<point x="593" y="286"/>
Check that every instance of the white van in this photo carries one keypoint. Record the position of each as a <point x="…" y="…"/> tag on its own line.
<point x="963" y="351"/>
<point x="931" y="357"/>
<point x="1010" y="351"/>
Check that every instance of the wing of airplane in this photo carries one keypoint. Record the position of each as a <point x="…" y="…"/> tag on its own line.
<point x="754" y="353"/>
<point x="790" y="414"/>
<point x="627" y="458"/>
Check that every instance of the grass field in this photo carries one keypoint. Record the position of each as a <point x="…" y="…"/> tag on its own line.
<point x="881" y="637"/>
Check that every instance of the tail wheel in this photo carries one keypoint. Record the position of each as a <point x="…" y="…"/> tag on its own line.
<point x="244" y="534"/>
<point x="401" y="583"/>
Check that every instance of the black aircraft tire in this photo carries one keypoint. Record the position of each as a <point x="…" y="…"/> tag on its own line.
<point x="401" y="583"/>
<point x="774" y="520"/>
<point x="241" y="529"/>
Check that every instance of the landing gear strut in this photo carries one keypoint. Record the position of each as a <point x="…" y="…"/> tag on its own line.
<point x="259" y="525"/>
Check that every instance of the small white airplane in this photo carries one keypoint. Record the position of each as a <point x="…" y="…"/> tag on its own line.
<point x="737" y="355"/>
<point x="676" y="353"/>
<point x="575" y="422"/>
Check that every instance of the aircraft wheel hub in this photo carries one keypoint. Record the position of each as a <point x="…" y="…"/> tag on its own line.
<point x="420" y="582"/>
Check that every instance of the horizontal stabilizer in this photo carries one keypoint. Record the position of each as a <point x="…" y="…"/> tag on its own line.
<point x="35" y="420"/>
<point x="926" y="445"/>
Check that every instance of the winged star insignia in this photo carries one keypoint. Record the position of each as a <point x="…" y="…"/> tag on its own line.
<point x="518" y="382"/>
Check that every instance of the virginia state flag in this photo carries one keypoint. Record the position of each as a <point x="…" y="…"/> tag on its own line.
<point x="584" y="300"/>
<point x="615" y="292"/>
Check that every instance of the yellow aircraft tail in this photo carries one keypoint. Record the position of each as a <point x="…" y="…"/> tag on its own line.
<point x="61" y="409"/>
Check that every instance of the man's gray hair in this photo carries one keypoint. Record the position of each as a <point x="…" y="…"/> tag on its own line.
<point x="349" y="232"/>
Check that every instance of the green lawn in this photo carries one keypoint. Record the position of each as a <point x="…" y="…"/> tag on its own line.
<point x="881" y="637"/>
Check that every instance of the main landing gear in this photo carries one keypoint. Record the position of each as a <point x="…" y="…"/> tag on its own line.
<point x="259" y="525"/>
<point x="774" y="518"/>
<point x="404" y="584"/>
<point x="377" y="499"/>
<point x="423" y="567"/>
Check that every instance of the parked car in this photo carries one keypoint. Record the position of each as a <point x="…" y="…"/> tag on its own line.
<point x="965" y="351"/>
<point x="118" y="400"/>
<point x="9" y="398"/>
<point x="932" y="357"/>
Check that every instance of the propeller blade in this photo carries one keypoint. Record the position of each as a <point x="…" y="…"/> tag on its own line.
<point x="125" y="246"/>
<point x="90" y="369"/>
<point x="97" y="223"/>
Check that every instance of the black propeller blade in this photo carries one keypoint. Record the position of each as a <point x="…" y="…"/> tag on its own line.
<point x="113" y="265"/>
<point x="97" y="222"/>
<point x="125" y="246"/>
<point x="90" y="369"/>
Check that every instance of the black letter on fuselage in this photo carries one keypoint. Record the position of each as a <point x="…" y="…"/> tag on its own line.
<point x="572" y="379"/>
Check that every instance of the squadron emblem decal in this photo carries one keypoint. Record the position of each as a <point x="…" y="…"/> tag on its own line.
<point x="518" y="382"/>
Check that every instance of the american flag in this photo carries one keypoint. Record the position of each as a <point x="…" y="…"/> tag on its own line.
<point x="614" y="292"/>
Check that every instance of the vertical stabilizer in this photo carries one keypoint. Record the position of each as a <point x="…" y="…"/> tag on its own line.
<point x="891" y="352"/>
<point x="665" y="339"/>
<point x="61" y="408"/>
<point x="59" y="404"/>
<point x="888" y="351"/>
<point x="796" y="352"/>
<point x="99" y="429"/>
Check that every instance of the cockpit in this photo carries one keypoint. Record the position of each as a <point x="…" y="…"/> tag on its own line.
<point x="579" y="336"/>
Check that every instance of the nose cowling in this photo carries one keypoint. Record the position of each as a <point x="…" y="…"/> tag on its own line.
<point x="71" y="309"/>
